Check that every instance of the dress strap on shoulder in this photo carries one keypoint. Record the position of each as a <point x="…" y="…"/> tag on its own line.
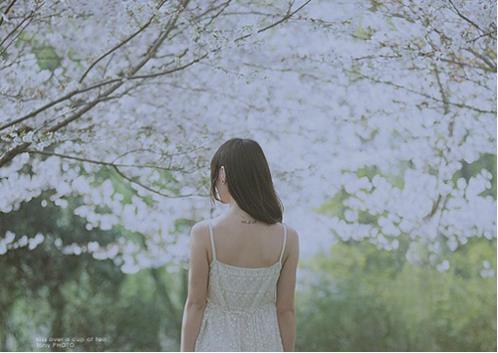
<point x="285" y="241"/>
<point x="211" y="236"/>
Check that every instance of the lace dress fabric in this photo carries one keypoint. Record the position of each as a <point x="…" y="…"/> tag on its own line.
<point x="241" y="312"/>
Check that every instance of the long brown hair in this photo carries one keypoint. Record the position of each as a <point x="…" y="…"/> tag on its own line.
<point x="248" y="178"/>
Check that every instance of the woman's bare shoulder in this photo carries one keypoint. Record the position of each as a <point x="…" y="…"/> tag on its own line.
<point x="292" y="238"/>
<point x="291" y="231"/>
<point x="200" y="229"/>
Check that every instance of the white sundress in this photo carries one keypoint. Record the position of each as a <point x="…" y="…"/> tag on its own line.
<point x="241" y="312"/>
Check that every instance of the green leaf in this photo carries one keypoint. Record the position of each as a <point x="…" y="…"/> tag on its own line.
<point x="47" y="58"/>
<point x="363" y="33"/>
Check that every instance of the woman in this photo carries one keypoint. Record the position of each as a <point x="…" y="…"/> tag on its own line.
<point x="243" y="263"/>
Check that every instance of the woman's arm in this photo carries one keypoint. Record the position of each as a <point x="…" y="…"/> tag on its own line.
<point x="285" y="292"/>
<point x="197" y="288"/>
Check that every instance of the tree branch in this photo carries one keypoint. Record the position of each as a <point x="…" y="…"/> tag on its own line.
<point x="459" y="105"/>
<point x="288" y="15"/>
<point x="116" y="47"/>
<point x="486" y="60"/>
<point x="99" y="162"/>
<point x="29" y="16"/>
<point x="148" y="188"/>
<point x="444" y="98"/>
<point x="30" y="19"/>
<point x="461" y="15"/>
<point x="7" y="10"/>
<point x="57" y="101"/>
<point x="126" y="40"/>
<point x="119" y="81"/>
<point x="166" y="72"/>
<point x="149" y="54"/>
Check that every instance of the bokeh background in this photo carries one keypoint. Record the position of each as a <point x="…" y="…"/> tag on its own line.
<point x="378" y="119"/>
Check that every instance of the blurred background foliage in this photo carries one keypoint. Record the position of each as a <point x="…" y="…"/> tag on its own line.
<point x="350" y="297"/>
<point x="370" y="300"/>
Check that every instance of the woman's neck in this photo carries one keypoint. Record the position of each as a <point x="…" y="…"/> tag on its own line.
<point x="239" y="213"/>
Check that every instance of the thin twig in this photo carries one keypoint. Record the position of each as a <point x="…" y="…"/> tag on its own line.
<point x="15" y="29"/>
<point x="116" y="47"/>
<point x="288" y="15"/>
<point x="166" y="72"/>
<point x="459" y="105"/>
<point x="148" y="188"/>
<point x="444" y="98"/>
<point x="99" y="162"/>
<point x="7" y="10"/>
<point x="464" y="17"/>
<point x="486" y="60"/>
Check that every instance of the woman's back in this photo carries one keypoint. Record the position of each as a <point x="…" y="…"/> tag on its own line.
<point x="247" y="245"/>
<point x="241" y="311"/>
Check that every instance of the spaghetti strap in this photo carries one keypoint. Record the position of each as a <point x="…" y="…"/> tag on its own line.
<point x="285" y="241"/>
<point x="211" y="236"/>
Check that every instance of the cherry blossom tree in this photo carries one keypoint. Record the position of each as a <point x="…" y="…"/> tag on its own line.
<point x="371" y="112"/>
<point x="69" y="68"/>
